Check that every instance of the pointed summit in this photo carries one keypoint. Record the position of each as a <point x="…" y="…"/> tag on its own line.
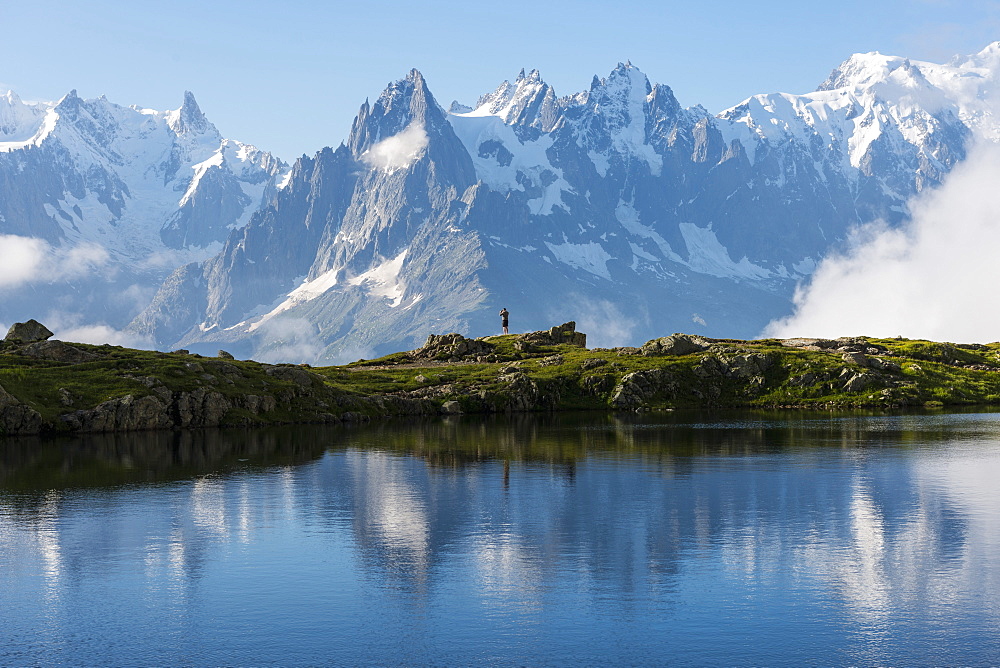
<point x="68" y="101"/>
<point x="528" y="101"/>
<point x="189" y="119"/>
<point x="69" y="105"/>
<point x="18" y="121"/>
<point x="401" y="104"/>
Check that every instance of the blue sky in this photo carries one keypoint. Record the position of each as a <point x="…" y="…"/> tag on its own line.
<point x="289" y="76"/>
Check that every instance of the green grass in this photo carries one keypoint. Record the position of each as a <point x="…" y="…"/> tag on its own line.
<point x="730" y="374"/>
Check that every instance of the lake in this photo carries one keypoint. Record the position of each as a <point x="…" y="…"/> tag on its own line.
<point x="657" y="538"/>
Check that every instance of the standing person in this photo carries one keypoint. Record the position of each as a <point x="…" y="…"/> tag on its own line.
<point x="503" y="319"/>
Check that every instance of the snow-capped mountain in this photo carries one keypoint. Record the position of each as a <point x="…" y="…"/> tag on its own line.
<point x="110" y="199"/>
<point x="614" y="207"/>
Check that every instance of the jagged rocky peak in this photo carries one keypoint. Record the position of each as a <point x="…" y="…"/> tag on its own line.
<point x="190" y="119"/>
<point x="621" y="93"/>
<point x="403" y="103"/>
<point x="68" y="105"/>
<point x="528" y="101"/>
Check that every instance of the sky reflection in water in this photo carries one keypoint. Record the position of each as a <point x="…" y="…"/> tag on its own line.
<point x="741" y="539"/>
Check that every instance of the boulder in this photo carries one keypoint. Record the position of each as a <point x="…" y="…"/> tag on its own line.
<point x="676" y="344"/>
<point x="855" y="358"/>
<point x="223" y="355"/>
<point x="27" y="332"/>
<point x="57" y="351"/>
<point x="554" y="336"/>
<point x="452" y="347"/>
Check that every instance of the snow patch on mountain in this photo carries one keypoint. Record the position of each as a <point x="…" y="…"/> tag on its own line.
<point x="709" y="256"/>
<point x="626" y="214"/>
<point x="382" y="280"/>
<point x="505" y="162"/>
<point x="590" y="257"/>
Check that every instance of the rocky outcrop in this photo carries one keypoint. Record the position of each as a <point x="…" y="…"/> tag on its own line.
<point x="554" y="336"/>
<point x="452" y="347"/>
<point x="455" y="347"/>
<point x="519" y="392"/>
<point x="57" y="351"/>
<point x="27" y="332"/>
<point x="15" y="417"/>
<point x="638" y="387"/>
<point x="676" y="344"/>
<point x="165" y="410"/>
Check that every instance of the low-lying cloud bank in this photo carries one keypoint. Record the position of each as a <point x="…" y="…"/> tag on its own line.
<point x="29" y="260"/>
<point x="935" y="278"/>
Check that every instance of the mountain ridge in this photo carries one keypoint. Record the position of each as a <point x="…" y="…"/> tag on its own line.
<point x="614" y="201"/>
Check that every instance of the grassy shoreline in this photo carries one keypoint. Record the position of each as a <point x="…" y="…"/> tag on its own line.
<point x="65" y="388"/>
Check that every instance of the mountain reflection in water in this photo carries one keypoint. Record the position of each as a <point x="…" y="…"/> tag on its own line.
<point x="526" y="539"/>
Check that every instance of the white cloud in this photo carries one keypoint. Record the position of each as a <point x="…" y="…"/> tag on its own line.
<point x="398" y="151"/>
<point x="76" y="328"/>
<point x="935" y="278"/>
<point x="28" y="259"/>
<point x="21" y="259"/>
<point x="83" y="259"/>
<point x="100" y="334"/>
<point x="288" y="340"/>
<point x="603" y="322"/>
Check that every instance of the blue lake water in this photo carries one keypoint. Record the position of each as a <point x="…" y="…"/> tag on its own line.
<point x="680" y="539"/>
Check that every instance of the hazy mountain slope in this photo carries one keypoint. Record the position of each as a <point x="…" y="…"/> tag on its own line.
<point x="110" y="199"/>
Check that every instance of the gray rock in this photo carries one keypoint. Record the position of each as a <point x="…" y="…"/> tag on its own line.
<point x="293" y="374"/>
<point x="451" y="408"/>
<point x="27" y="332"/>
<point x="855" y="358"/>
<point x="57" y="351"/>
<point x="222" y="354"/>
<point x="638" y="387"/>
<point x="676" y="344"/>
<point x="559" y="334"/>
<point x="859" y="382"/>
<point x="17" y="418"/>
<point x="748" y="365"/>
<point x="452" y="347"/>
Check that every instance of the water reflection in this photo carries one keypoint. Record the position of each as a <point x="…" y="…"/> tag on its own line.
<point x="854" y="538"/>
